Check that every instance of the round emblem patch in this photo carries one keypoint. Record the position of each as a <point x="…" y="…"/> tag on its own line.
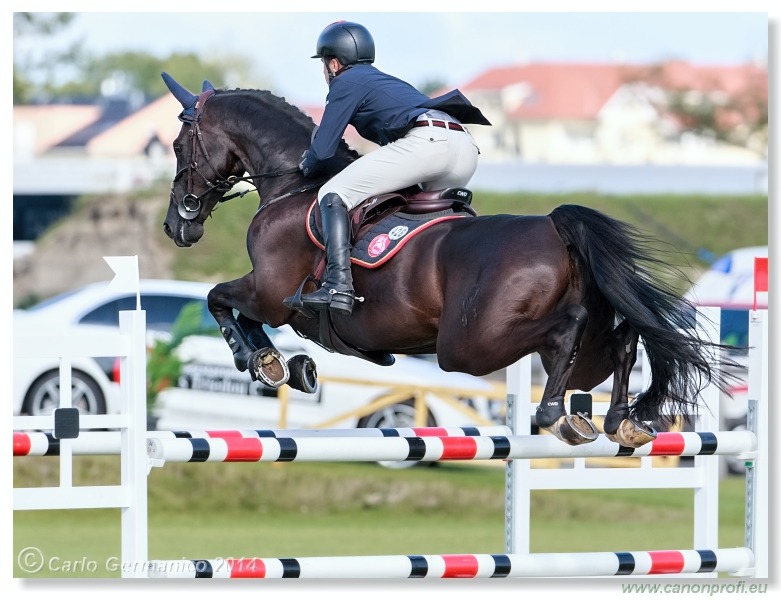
<point x="378" y="245"/>
<point x="398" y="232"/>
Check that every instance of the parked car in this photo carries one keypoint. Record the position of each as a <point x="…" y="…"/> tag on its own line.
<point x="83" y="310"/>
<point x="211" y="393"/>
<point x="729" y="284"/>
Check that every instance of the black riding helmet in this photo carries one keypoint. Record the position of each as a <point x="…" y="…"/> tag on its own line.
<point x="349" y="42"/>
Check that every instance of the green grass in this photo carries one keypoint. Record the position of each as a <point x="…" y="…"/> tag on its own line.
<point x="323" y="509"/>
<point x="715" y="223"/>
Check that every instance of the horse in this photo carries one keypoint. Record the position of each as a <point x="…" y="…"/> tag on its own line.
<point x="576" y="285"/>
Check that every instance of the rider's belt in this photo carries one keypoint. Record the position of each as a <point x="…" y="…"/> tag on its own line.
<point x="437" y="123"/>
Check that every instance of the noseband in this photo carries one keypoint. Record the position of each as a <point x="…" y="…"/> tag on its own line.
<point x="190" y="206"/>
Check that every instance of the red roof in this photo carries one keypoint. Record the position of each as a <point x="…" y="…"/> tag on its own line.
<point x="556" y="90"/>
<point x="580" y="90"/>
<point x="730" y="79"/>
<point x="744" y="87"/>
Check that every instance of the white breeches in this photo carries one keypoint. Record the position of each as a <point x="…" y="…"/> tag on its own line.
<point x="434" y="157"/>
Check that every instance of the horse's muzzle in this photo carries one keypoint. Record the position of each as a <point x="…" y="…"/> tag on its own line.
<point x="184" y="233"/>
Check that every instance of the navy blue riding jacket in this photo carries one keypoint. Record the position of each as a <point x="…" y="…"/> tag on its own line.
<point x="382" y="108"/>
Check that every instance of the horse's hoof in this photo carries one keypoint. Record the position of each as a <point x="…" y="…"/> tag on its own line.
<point x="303" y="374"/>
<point x="574" y="430"/>
<point x="269" y="367"/>
<point x="632" y="434"/>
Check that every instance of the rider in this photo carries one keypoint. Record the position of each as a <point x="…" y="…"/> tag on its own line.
<point x="421" y="142"/>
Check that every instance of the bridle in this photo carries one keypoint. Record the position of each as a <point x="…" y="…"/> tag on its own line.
<point x="190" y="206"/>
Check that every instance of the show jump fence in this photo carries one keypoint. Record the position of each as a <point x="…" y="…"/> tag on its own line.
<point x="141" y="450"/>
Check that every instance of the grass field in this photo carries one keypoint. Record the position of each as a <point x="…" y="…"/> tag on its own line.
<point x="323" y="509"/>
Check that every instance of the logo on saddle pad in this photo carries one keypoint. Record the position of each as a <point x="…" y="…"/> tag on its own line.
<point x="379" y="242"/>
<point x="379" y="245"/>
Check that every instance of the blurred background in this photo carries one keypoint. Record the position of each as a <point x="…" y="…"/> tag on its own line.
<point x="613" y="103"/>
<point x="657" y="118"/>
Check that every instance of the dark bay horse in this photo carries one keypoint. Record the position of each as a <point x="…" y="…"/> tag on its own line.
<point x="576" y="286"/>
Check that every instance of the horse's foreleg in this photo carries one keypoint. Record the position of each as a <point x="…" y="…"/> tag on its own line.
<point x="299" y="372"/>
<point x="251" y="347"/>
<point x="619" y="426"/>
<point x="265" y="362"/>
<point x="563" y="340"/>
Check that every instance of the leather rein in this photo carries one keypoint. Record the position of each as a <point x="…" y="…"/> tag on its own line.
<point x="190" y="206"/>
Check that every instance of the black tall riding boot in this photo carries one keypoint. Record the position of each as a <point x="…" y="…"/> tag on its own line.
<point x="337" y="291"/>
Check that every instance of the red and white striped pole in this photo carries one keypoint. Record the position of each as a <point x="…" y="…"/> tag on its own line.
<point x="595" y="564"/>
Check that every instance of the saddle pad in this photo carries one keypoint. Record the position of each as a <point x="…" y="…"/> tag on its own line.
<point x="378" y="244"/>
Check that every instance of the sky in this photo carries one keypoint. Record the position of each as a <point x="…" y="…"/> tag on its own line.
<point x="420" y="47"/>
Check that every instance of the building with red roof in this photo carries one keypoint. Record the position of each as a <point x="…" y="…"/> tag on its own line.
<point x="607" y="113"/>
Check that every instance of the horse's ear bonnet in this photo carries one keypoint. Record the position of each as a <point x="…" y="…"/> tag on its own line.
<point x="186" y="98"/>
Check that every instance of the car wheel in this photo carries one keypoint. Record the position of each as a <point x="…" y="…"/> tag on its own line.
<point x="44" y="395"/>
<point x="397" y="415"/>
<point x="735" y="465"/>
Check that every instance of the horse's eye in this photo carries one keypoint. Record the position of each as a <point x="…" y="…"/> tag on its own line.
<point x="177" y="148"/>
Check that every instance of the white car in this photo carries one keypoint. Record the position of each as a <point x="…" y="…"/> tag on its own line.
<point x="88" y="309"/>
<point x="729" y="284"/>
<point x="212" y="394"/>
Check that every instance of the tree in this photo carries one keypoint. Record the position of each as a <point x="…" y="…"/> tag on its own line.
<point x="29" y="68"/>
<point x="432" y="86"/>
<point x="130" y="71"/>
<point x="72" y="73"/>
<point x="164" y="365"/>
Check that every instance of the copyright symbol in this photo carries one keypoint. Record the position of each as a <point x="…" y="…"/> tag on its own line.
<point x="30" y="559"/>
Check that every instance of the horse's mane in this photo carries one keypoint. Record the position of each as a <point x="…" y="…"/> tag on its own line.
<point x="290" y="111"/>
<point x="246" y="107"/>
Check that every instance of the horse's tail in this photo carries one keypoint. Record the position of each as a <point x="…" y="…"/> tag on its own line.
<point x="620" y="260"/>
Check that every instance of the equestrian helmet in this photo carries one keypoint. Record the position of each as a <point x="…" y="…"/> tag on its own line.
<point x="349" y="42"/>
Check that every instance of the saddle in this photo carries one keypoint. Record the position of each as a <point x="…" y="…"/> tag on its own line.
<point x="412" y="201"/>
<point x="380" y="226"/>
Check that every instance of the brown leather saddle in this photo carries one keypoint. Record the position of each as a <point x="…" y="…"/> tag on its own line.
<point x="411" y="201"/>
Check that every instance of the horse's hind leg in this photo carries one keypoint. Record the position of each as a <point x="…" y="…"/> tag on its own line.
<point x="563" y="343"/>
<point x="619" y="426"/>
